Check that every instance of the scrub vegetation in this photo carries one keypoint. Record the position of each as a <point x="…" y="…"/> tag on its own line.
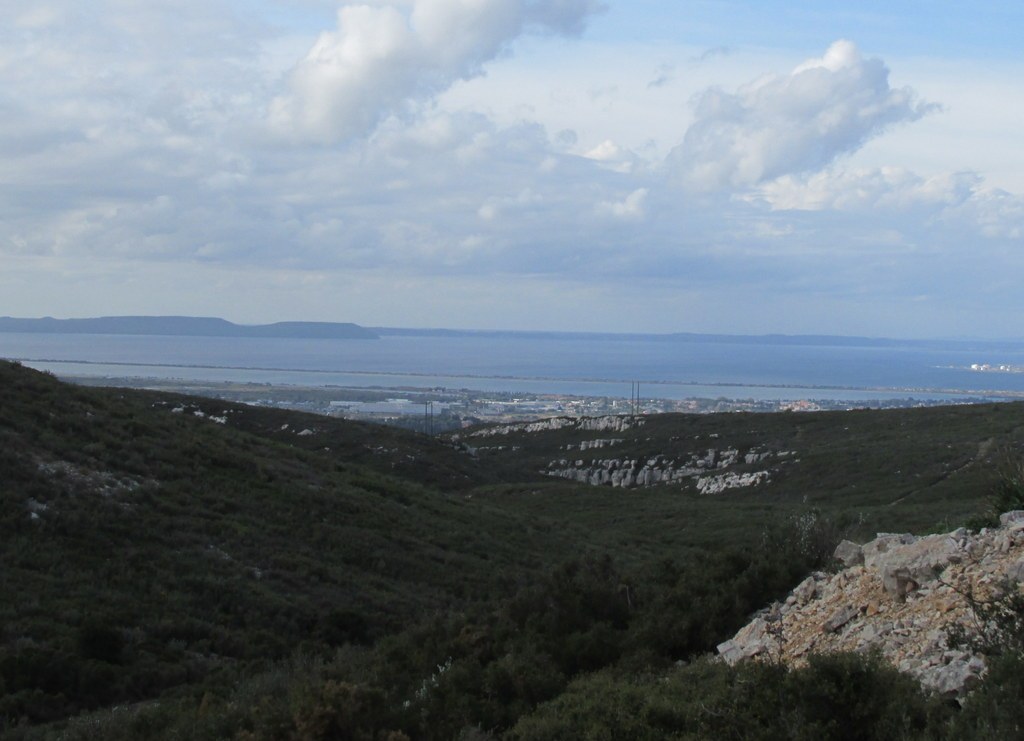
<point x="177" y="567"/>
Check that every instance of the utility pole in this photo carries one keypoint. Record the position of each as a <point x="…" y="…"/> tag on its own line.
<point x="634" y="397"/>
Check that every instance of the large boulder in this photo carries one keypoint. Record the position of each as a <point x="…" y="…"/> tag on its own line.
<point x="1015" y="518"/>
<point x="840" y="618"/>
<point x="906" y="563"/>
<point x="752" y="640"/>
<point x="954" y="679"/>
<point x="877" y="548"/>
<point x="849" y="554"/>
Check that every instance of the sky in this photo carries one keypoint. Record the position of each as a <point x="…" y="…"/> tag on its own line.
<point x="583" y="165"/>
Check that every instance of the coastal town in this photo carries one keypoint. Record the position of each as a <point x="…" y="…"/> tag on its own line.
<point x="438" y="409"/>
<point x="996" y="368"/>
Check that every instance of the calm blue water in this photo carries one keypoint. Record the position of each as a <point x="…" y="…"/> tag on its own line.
<point x="541" y="365"/>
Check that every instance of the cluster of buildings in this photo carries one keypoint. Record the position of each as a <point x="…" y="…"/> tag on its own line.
<point x="997" y="368"/>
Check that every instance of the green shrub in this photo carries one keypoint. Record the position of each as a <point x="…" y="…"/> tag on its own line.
<point x="994" y="710"/>
<point x="854" y="697"/>
<point x="101" y="641"/>
<point x="843" y="696"/>
<point x="1006" y="492"/>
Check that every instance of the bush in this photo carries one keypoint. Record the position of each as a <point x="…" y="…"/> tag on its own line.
<point x="995" y="710"/>
<point x="100" y="641"/>
<point x="343" y="711"/>
<point x="850" y="696"/>
<point x="1007" y="492"/>
<point x="843" y="696"/>
<point x="691" y="607"/>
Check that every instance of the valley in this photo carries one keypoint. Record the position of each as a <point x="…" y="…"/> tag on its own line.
<point x="163" y="552"/>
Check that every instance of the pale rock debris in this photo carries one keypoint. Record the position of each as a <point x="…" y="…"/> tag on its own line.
<point x="902" y="601"/>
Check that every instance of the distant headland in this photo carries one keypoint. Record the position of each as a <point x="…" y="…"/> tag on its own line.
<point x="187" y="326"/>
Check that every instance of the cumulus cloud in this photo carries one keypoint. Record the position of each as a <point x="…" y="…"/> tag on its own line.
<point x="153" y="159"/>
<point x="384" y="57"/>
<point x="960" y="200"/>
<point x="798" y="123"/>
<point x="613" y="157"/>
<point x="630" y="208"/>
<point x="892" y="188"/>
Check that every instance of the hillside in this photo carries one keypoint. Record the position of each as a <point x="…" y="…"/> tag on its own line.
<point x="162" y="546"/>
<point x="203" y="534"/>
<point x="872" y="470"/>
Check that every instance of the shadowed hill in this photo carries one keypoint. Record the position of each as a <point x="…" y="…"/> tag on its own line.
<point x="916" y="469"/>
<point x="154" y="541"/>
<point x="191" y="543"/>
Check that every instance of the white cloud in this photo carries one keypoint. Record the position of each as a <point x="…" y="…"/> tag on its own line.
<point x="494" y="208"/>
<point x="349" y="76"/>
<point x="868" y="189"/>
<point x="383" y="58"/>
<point x="630" y="208"/>
<point x="793" y="124"/>
<point x="613" y="157"/>
<point x="961" y="201"/>
<point x="136" y="152"/>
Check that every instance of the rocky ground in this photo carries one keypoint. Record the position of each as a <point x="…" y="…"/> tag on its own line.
<point x="900" y="595"/>
<point x="666" y="469"/>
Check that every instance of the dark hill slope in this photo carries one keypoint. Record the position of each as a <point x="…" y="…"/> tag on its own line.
<point x="168" y="544"/>
<point x="386" y="449"/>
<point x="152" y="541"/>
<point x="870" y="470"/>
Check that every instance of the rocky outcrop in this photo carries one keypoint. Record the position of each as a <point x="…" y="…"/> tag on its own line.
<point x="665" y="469"/>
<point x="619" y="472"/>
<point x="726" y="481"/>
<point x="597" y="444"/>
<point x="608" y="423"/>
<point x="900" y="595"/>
<point x="72" y="478"/>
<point x="196" y="411"/>
<point x="67" y="479"/>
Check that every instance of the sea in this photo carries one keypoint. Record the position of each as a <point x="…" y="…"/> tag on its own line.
<point x="539" y="364"/>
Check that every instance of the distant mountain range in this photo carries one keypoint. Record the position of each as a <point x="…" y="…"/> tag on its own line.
<point x="213" y="327"/>
<point x="187" y="326"/>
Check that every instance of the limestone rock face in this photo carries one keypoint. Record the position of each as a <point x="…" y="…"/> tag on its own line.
<point x="725" y="481"/>
<point x="608" y="423"/>
<point x="660" y="469"/>
<point x="900" y="595"/>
